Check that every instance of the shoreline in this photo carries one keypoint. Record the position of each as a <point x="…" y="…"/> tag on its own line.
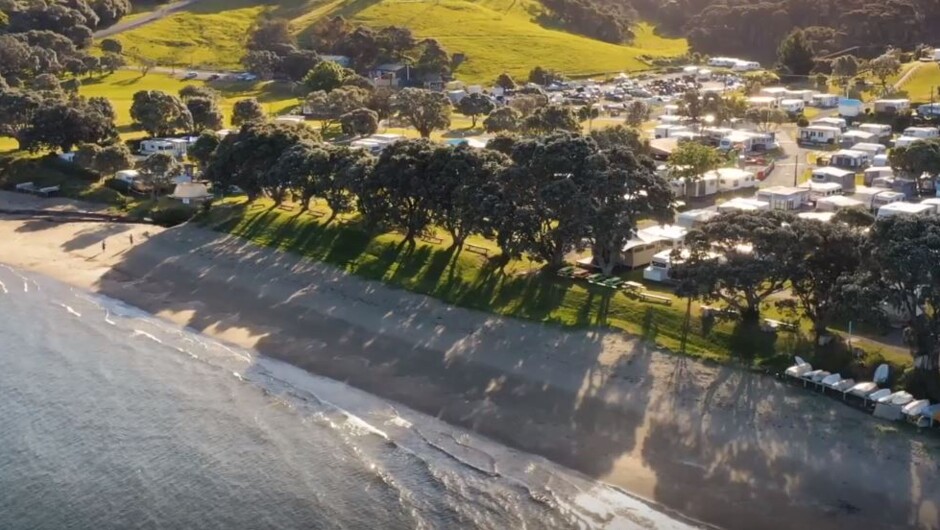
<point x="714" y="443"/>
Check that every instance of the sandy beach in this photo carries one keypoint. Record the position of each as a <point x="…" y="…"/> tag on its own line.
<point x="724" y="446"/>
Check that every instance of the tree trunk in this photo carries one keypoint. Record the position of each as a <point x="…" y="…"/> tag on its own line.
<point x="473" y="121"/>
<point x="330" y="218"/>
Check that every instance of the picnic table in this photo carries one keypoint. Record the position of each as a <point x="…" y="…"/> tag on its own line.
<point x="477" y="249"/>
<point x="650" y="297"/>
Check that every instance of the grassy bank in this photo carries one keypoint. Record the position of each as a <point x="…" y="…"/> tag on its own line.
<point x="473" y="280"/>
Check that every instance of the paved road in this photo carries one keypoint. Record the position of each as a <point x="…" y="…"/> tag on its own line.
<point x="163" y="12"/>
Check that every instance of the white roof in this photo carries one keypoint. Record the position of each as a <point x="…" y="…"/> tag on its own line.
<point x="821" y="186"/>
<point x="855" y="133"/>
<point x="792" y="102"/>
<point x="774" y="90"/>
<point x="851" y="153"/>
<point x="660" y="232"/>
<point x="865" y="190"/>
<point x="840" y="201"/>
<point x="933" y="200"/>
<point x="695" y="215"/>
<point x="907" y="207"/>
<point x="867" y="146"/>
<point x="919" y="129"/>
<point x="761" y="99"/>
<point x="874" y="126"/>
<point x="832" y="171"/>
<point x="829" y="121"/>
<point x="822" y="128"/>
<point x="742" y="203"/>
<point x="783" y="190"/>
<point x="825" y="96"/>
<point x="823" y="217"/>
<point x="879" y="169"/>
<point x="190" y="190"/>
<point x="733" y="173"/>
<point x="892" y="101"/>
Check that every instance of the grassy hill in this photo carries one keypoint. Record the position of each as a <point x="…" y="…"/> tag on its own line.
<point x="922" y="85"/>
<point x="495" y="35"/>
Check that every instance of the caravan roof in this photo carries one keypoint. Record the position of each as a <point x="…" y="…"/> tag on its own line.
<point x="830" y="171"/>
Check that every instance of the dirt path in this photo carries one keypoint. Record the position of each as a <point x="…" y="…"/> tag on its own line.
<point x="159" y="14"/>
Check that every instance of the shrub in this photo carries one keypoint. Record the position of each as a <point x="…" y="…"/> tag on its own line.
<point x="172" y="215"/>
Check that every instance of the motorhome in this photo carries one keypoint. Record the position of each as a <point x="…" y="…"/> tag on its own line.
<point x="639" y="250"/>
<point x="906" y="141"/>
<point x="874" y="198"/>
<point x="747" y="141"/>
<point x="825" y="101"/>
<point x="929" y="111"/>
<point x="776" y="92"/>
<point x="660" y="267"/>
<point x="761" y="102"/>
<point x="804" y="94"/>
<point x="792" y="106"/>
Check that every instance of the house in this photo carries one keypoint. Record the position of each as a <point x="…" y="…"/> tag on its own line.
<point x="741" y="204"/>
<point x="784" y="197"/>
<point x="876" y="172"/>
<point x="820" y="134"/>
<point x="835" y="203"/>
<point x="922" y="132"/>
<point x="850" y="159"/>
<point x="850" y="108"/>
<point x="639" y="250"/>
<point x="871" y="148"/>
<point x="746" y="141"/>
<point x="855" y="136"/>
<point x="391" y="75"/>
<point x="191" y="192"/>
<point x="825" y="101"/>
<point x="174" y="146"/>
<point x="882" y="131"/>
<point x="668" y="130"/>
<point x="842" y="177"/>
<point x="831" y="121"/>
<point x="905" y="208"/>
<point x="891" y="106"/>
<point x="733" y="179"/>
<point x="818" y="190"/>
<point x="792" y="106"/>
<point x="695" y="218"/>
<point x="873" y="198"/>
<point x="776" y="92"/>
<point x="761" y="102"/>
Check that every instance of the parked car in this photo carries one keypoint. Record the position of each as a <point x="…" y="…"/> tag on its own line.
<point x="191" y="75"/>
<point x="213" y="77"/>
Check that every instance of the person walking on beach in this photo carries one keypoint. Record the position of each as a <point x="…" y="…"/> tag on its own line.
<point x="131" y="236"/>
<point x="103" y="245"/>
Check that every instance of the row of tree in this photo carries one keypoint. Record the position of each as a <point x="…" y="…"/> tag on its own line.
<point x="852" y="269"/>
<point x="542" y="197"/>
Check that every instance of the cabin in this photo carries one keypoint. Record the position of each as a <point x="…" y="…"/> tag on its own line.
<point x="640" y="249"/>
<point x="855" y="136"/>
<point x="842" y="177"/>
<point x="850" y="159"/>
<point x="784" y="197"/>
<point x="818" y="190"/>
<point x="876" y="172"/>
<point x="695" y="218"/>
<point x="741" y="204"/>
<point x="872" y="149"/>
<point x="831" y="121"/>
<point x="761" y="102"/>
<point x="891" y="106"/>
<point x="177" y="147"/>
<point x="825" y="101"/>
<point x="882" y="131"/>
<point x="820" y="134"/>
<point x="835" y="203"/>
<point x="733" y="179"/>
<point x="792" y="106"/>
<point x="923" y="133"/>
<point x="850" y="108"/>
<point x="901" y="208"/>
<point x="667" y="130"/>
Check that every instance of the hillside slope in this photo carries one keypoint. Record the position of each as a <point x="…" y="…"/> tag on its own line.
<point x="495" y="35"/>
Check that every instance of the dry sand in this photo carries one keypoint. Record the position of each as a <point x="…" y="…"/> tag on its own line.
<point x="731" y="448"/>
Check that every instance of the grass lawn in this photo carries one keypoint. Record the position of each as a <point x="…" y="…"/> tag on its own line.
<point x="495" y="35"/>
<point x="922" y="86"/>
<point x="121" y="86"/>
<point x="472" y="280"/>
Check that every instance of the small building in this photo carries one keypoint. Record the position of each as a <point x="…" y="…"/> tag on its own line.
<point x="174" y="146"/>
<point x="881" y="131"/>
<point x="850" y="108"/>
<point x="792" y="106"/>
<point x="835" y="203"/>
<point x="784" y="197"/>
<point x="825" y="101"/>
<point x="831" y="121"/>
<point x="741" y="204"/>
<point x="842" y="177"/>
<point x="876" y="172"/>
<point x="922" y="132"/>
<point x="392" y="75"/>
<point x="855" y="136"/>
<point x="850" y="159"/>
<point x="660" y="267"/>
<point x="905" y="208"/>
<point x="891" y="106"/>
<point x="694" y="218"/>
<point x="818" y="190"/>
<point x="733" y="179"/>
<point x="761" y="102"/>
<point x="820" y="134"/>
<point x="191" y="193"/>
<point x="871" y="148"/>
<point x="668" y="130"/>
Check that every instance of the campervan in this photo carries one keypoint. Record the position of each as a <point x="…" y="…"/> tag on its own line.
<point x="174" y="146"/>
<point x="792" y="106"/>
<point x="825" y="101"/>
<point x="668" y="130"/>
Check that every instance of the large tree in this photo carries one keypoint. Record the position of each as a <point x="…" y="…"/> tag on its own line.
<point x="475" y="105"/>
<point x="326" y="76"/>
<point x="64" y="124"/>
<point x="503" y="119"/>
<point x="160" y="114"/>
<point x="204" y="147"/>
<point x="158" y="171"/>
<point x="917" y="160"/>
<point x="247" y="111"/>
<point x="403" y="178"/>
<point x="691" y="160"/>
<point x="329" y="107"/>
<point x="205" y="113"/>
<point x="885" y="66"/>
<point x="359" y="122"/>
<point x="551" y="118"/>
<point x="425" y="110"/>
<point x="796" y="54"/>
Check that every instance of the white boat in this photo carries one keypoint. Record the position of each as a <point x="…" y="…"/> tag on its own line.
<point x="819" y="376"/>
<point x="797" y="370"/>
<point x="844" y="385"/>
<point x="830" y="380"/>
<point x="915" y="408"/>
<point x="863" y="389"/>
<point x="898" y="399"/>
<point x="879" y="394"/>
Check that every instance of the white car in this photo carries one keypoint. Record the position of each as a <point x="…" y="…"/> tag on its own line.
<point x="191" y="75"/>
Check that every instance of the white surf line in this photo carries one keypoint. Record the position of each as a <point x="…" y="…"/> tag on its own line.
<point x="20" y="276"/>
<point x="70" y="310"/>
<point x="3" y="288"/>
<point x="139" y="333"/>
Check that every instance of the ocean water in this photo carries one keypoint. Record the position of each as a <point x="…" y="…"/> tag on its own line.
<point x="113" y="419"/>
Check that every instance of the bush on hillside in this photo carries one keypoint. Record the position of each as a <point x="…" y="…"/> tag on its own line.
<point x="172" y="215"/>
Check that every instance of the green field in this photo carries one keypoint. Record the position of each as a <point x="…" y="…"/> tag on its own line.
<point x="495" y="35"/>
<point x="923" y="84"/>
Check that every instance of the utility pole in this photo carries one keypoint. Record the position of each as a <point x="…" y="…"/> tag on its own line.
<point x="796" y="166"/>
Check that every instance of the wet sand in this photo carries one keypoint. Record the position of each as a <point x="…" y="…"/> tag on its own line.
<point x="721" y="445"/>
